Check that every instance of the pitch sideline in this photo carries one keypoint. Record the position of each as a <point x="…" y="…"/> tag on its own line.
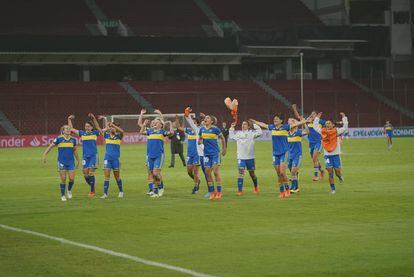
<point x="109" y="252"/>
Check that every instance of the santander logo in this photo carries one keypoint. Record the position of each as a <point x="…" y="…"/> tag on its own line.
<point x="35" y="142"/>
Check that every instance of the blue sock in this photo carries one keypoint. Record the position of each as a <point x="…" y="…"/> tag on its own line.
<point x="203" y="168"/>
<point x="119" y="182"/>
<point x="88" y="179"/>
<point x="210" y="188"/>
<point x="62" y="189"/>
<point x="156" y="189"/>
<point x="106" y="187"/>
<point x="295" y="184"/>
<point x="92" y="183"/>
<point x="282" y="188"/>
<point x="70" y="185"/>
<point x="254" y="181"/>
<point x="316" y="170"/>
<point x="218" y="188"/>
<point x="151" y="186"/>
<point x="286" y="187"/>
<point x="332" y="186"/>
<point x="161" y="185"/>
<point x="240" y="184"/>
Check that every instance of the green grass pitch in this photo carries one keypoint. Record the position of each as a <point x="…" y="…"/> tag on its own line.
<point x="367" y="228"/>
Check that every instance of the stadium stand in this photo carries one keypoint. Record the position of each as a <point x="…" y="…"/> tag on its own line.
<point x="264" y="15"/>
<point x="399" y="90"/>
<point x="158" y="17"/>
<point x="42" y="107"/>
<point x="334" y="96"/>
<point x="208" y="97"/>
<point x="3" y="132"/>
<point x="63" y="17"/>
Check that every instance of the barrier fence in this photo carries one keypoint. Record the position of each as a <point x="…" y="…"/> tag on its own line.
<point x="135" y="138"/>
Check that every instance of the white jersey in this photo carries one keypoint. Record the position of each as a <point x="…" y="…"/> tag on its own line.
<point x="340" y="131"/>
<point x="245" y="141"/>
<point x="196" y="129"/>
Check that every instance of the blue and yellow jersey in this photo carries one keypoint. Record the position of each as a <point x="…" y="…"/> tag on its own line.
<point x="313" y="136"/>
<point x="295" y="143"/>
<point x="89" y="142"/>
<point x="388" y="127"/>
<point x="113" y="146"/>
<point x="279" y="138"/>
<point x="191" y="142"/>
<point x="155" y="142"/>
<point x="210" y="137"/>
<point x="65" y="149"/>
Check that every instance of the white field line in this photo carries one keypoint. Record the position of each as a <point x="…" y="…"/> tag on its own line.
<point x="109" y="252"/>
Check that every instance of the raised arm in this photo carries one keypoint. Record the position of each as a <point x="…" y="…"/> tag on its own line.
<point x="177" y="124"/>
<point x="344" y="127"/>
<point x="73" y="130"/>
<point x="47" y="150"/>
<point x="139" y="123"/>
<point x="143" y="130"/>
<point x="192" y="124"/>
<point x="95" y="122"/>
<point x="257" y="131"/>
<point x="232" y="132"/>
<point x="316" y="126"/>
<point x="295" y="112"/>
<point x="260" y="124"/>
<point x="119" y="129"/>
<point x="305" y="131"/>
<point x="299" y="123"/>
<point x="160" y="114"/>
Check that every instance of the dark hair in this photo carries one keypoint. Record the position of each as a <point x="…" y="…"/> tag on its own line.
<point x="197" y="120"/>
<point x="90" y="123"/>
<point x="279" y="115"/>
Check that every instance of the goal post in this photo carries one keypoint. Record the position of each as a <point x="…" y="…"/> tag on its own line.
<point x="128" y="122"/>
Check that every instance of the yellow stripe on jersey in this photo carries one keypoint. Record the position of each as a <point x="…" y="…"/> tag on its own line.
<point x="294" y="139"/>
<point x="113" y="141"/>
<point x="191" y="137"/>
<point x="156" y="136"/>
<point x="311" y="125"/>
<point x="209" y="136"/>
<point x="388" y="128"/>
<point x="90" y="137"/>
<point x="65" y="144"/>
<point x="279" y="133"/>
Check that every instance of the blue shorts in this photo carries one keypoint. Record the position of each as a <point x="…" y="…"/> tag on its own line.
<point x="294" y="161"/>
<point x="212" y="160"/>
<point x="389" y="134"/>
<point x="279" y="159"/>
<point x="315" y="147"/>
<point x="155" y="163"/>
<point x="333" y="161"/>
<point x="62" y="166"/>
<point x="112" y="164"/>
<point x="249" y="164"/>
<point x="193" y="160"/>
<point x="90" y="162"/>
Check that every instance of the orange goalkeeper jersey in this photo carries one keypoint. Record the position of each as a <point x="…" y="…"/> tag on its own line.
<point x="329" y="139"/>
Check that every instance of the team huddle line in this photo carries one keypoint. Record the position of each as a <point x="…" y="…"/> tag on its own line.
<point x="203" y="150"/>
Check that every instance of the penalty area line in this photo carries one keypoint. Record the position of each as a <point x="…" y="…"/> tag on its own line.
<point x="108" y="252"/>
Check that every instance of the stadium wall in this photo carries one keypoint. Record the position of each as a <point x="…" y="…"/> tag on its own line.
<point x="136" y="138"/>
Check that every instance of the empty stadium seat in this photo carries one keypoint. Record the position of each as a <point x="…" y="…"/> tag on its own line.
<point x="63" y="17"/>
